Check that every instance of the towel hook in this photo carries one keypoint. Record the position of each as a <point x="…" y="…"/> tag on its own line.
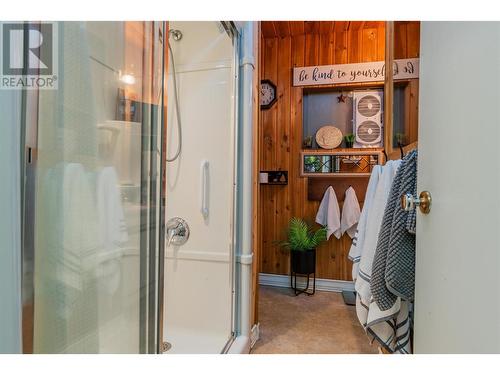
<point x="401" y="149"/>
<point x="385" y="155"/>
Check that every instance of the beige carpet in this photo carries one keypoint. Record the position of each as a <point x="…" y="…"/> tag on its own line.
<point x="321" y="323"/>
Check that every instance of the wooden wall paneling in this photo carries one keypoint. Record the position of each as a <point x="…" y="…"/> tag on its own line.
<point x="326" y="27"/>
<point x="413" y="39"/>
<point x="400" y="44"/>
<point x="269" y="116"/>
<point x="297" y="184"/>
<point x="369" y="45"/>
<point x="311" y="27"/>
<point x="316" y="187"/>
<point x="282" y="28"/>
<point x="340" y="26"/>
<point x="341" y="45"/>
<point x="282" y="212"/>
<point x="283" y="91"/>
<point x="354" y="46"/>
<point x="296" y="27"/>
<point x="326" y="257"/>
<point x="356" y="25"/>
<point x="268" y="29"/>
<point x="412" y="135"/>
<point x="312" y="49"/>
<point x="389" y="89"/>
<point x="268" y="161"/>
<point x="381" y="42"/>
<point x="311" y="57"/>
<point x="373" y="24"/>
<point x="326" y="48"/>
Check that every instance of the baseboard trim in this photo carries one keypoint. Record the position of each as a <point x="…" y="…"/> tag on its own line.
<point x="326" y="285"/>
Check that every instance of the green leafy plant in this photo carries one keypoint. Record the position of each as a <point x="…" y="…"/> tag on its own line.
<point x="301" y="237"/>
<point x="400" y="139"/>
<point x="308" y="141"/>
<point x="349" y="139"/>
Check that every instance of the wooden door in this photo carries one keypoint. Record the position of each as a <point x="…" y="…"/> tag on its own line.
<point x="457" y="302"/>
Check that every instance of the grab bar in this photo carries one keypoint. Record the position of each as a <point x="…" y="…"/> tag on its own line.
<point x="204" y="188"/>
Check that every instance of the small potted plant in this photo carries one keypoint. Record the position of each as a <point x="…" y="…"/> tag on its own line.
<point x="302" y="242"/>
<point x="308" y="142"/>
<point x="400" y="139"/>
<point x="349" y="140"/>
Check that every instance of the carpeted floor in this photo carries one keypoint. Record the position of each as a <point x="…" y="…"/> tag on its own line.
<point x="320" y="324"/>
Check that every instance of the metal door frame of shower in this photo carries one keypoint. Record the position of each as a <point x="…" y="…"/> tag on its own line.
<point x="148" y="299"/>
<point x="233" y="33"/>
<point x="163" y="193"/>
<point x="29" y="159"/>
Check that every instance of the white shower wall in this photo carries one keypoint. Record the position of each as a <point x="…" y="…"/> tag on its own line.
<point x="198" y="274"/>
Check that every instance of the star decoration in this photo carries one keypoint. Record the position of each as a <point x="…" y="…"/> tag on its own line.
<point x="341" y="98"/>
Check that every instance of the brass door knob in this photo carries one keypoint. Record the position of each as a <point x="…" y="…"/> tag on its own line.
<point x="409" y="202"/>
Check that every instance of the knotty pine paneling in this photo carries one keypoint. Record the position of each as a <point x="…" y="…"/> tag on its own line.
<point x="280" y="128"/>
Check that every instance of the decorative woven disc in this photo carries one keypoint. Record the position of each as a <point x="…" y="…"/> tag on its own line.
<point x="329" y="137"/>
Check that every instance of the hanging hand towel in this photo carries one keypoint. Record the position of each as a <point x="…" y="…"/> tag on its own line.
<point x="329" y="213"/>
<point x="394" y="262"/>
<point x="350" y="213"/>
<point x="355" y="252"/>
<point x="374" y="219"/>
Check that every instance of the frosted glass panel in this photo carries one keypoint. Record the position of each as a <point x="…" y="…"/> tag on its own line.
<point x="93" y="227"/>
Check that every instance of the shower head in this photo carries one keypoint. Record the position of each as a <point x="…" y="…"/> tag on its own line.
<point x="176" y="34"/>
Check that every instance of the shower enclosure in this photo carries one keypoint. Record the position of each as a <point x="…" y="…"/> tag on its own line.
<point x="104" y="269"/>
<point x="92" y="224"/>
<point x="199" y="274"/>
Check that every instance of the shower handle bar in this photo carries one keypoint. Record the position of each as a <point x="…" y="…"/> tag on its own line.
<point x="204" y="188"/>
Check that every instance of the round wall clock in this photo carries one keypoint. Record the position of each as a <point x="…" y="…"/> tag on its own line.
<point x="267" y="94"/>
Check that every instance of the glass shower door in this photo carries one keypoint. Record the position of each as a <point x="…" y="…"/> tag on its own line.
<point x="93" y="196"/>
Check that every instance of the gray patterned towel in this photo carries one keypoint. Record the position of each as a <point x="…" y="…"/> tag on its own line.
<point x="393" y="270"/>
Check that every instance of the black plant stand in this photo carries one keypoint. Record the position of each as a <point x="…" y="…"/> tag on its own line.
<point x="303" y="263"/>
<point x="293" y="284"/>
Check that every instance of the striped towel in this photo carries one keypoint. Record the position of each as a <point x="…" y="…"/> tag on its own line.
<point x="355" y="252"/>
<point x="393" y="269"/>
<point x="391" y="328"/>
<point x="383" y="332"/>
<point x="374" y="221"/>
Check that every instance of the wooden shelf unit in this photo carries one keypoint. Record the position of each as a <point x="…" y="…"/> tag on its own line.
<point x="378" y="152"/>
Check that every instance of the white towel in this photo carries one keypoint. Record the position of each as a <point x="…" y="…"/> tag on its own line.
<point x="372" y="319"/>
<point x="113" y="231"/>
<point x="391" y="328"/>
<point x="355" y="252"/>
<point x="350" y="213"/>
<point x="79" y="227"/>
<point x="374" y="220"/>
<point x="329" y="213"/>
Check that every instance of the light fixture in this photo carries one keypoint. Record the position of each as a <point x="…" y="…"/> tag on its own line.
<point x="127" y="79"/>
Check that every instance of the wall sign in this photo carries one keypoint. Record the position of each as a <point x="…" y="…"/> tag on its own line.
<point x="353" y="73"/>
